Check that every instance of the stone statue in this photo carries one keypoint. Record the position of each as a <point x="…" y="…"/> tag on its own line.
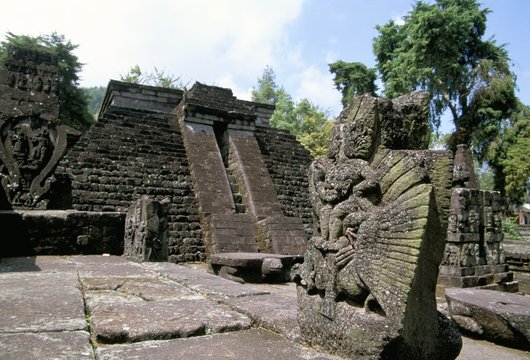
<point x="366" y="287"/>
<point x="146" y="230"/>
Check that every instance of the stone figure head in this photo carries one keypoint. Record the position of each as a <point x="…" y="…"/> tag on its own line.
<point x="354" y="135"/>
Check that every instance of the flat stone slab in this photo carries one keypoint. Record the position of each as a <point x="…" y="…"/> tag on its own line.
<point x="37" y="263"/>
<point x="110" y="266"/>
<point x="40" y="301"/>
<point x="272" y="311"/>
<point x="46" y="345"/>
<point x="118" y="319"/>
<point x="203" y="282"/>
<point x="253" y="267"/>
<point x="247" y="259"/>
<point x="494" y="315"/>
<point x="151" y="289"/>
<point x="474" y="349"/>
<point x="253" y="344"/>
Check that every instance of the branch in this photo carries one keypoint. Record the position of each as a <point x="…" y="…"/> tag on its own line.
<point x="448" y="100"/>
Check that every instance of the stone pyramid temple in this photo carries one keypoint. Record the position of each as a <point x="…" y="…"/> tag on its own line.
<point x="232" y="182"/>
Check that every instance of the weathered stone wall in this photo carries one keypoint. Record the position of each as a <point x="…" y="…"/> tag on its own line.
<point x="287" y="162"/>
<point x="62" y="232"/>
<point x="474" y="254"/>
<point x="129" y="153"/>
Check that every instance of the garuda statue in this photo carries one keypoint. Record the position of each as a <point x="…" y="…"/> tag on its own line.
<point x="366" y="289"/>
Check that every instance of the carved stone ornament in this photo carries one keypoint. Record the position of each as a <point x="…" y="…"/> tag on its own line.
<point x="366" y="289"/>
<point x="30" y="148"/>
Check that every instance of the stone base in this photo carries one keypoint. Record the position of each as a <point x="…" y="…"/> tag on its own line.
<point x="253" y="267"/>
<point x="62" y="232"/>
<point x="359" y="334"/>
<point x="281" y="235"/>
<point x="491" y="277"/>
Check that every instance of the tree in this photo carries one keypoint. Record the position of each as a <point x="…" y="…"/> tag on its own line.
<point x="267" y="91"/>
<point x="154" y="78"/>
<point x="353" y="79"/>
<point x="302" y="119"/>
<point x="95" y="97"/>
<point x="440" y="48"/>
<point x="72" y="100"/>
<point x="317" y="128"/>
<point x="508" y="156"/>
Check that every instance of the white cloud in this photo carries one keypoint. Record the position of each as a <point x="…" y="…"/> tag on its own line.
<point x="227" y="81"/>
<point x="399" y="20"/>
<point x="318" y="87"/>
<point x="197" y="40"/>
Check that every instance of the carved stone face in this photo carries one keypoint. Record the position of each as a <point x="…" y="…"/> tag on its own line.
<point x="359" y="138"/>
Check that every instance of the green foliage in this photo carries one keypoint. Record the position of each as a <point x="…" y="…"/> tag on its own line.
<point x="302" y="119"/>
<point x="510" y="230"/>
<point x="485" y="176"/>
<point x="318" y="128"/>
<point x="72" y="100"/>
<point x="353" y="79"/>
<point x="440" y="48"/>
<point x="438" y="141"/>
<point x="95" y="97"/>
<point x="154" y="78"/>
<point x="508" y="153"/>
<point x="267" y="91"/>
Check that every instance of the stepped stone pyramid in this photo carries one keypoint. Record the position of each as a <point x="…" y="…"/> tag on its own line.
<point x="234" y="183"/>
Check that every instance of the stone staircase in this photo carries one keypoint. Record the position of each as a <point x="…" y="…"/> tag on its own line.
<point x="236" y="194"/>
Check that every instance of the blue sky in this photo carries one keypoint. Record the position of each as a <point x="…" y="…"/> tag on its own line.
<point x="230" y="42"/>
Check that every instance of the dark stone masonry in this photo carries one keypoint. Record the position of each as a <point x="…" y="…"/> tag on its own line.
<point x="234" y="184"/>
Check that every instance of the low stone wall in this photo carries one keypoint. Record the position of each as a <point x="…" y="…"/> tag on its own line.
<point x="61" y="232"/>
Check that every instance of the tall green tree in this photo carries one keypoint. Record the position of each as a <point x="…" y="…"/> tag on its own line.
<point x="302" y="119"/>
<point x="507" y="155"/>
<point x="155" y="78"/>
<point x="441" y="48"/>
<point x="73" y="109"/>
<point x="353" y="79"/>
<point x="267" y="91"/>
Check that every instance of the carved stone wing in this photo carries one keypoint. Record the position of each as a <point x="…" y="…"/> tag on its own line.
<point x="391" y="245"/>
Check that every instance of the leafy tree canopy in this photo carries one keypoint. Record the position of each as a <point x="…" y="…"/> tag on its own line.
<point x="440" y="48"/>
<point x="302" y="119"/>
<point x="72" y="100"/>
<point x="508" y="153"/>
<point x="353" y="79"/>
<point x="154" y="78"/>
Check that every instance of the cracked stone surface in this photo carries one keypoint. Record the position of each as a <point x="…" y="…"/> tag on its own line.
<point x="40" y="301"/>
<point x="272" y="311"/>
<point x="250" y="344"/>
<point x="43" y="313"/>
<point x="46" y="345"/>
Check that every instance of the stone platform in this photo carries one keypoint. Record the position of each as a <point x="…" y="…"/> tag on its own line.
<point x="106" y="307"/>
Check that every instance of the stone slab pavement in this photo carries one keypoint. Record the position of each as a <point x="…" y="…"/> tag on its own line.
<point x="107" y="307"/>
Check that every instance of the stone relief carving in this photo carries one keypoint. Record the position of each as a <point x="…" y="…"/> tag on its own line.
<point x="31" y="139"/>
<point x="146" y="230"/>
<point x="372" y="262"/>
<point x="30" y="148"/>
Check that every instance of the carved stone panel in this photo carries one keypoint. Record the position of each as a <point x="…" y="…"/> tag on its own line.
<point x="31" y="139"/>
<point x="146" y="230"/>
